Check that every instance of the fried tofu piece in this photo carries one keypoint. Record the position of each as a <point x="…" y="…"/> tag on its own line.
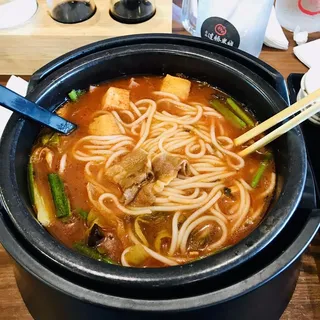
<point x="116" y="99"/>
<point x="178" y="86"/>
<point x="104" y="125"/>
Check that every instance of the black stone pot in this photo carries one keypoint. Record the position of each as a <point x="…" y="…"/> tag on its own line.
<point x="66" y="278"/>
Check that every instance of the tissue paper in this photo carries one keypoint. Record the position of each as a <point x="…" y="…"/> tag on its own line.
<point x="309" y="53"/>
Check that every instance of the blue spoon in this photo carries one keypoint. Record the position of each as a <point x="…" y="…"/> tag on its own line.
<point x="30" y="110"/>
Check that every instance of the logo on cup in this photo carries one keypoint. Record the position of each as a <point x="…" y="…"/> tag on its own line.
<point x="220" y="29"/>
<point x="309" y="7"/>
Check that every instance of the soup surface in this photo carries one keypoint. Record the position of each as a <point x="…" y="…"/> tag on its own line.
<point x="151" y="177"/>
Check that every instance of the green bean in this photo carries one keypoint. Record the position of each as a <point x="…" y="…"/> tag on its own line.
<point x="262" y="168"/>
<point x="240" y="112"/>
<point x="228" y="114"/>
<point x="59" y="196"/>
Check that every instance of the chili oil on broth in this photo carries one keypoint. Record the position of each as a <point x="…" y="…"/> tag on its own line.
<point x="145" y="240"/>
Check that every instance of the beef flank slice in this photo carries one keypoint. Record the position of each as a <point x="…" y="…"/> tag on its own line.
<point x="131" y="173"/>
<point x="137" y="180"/>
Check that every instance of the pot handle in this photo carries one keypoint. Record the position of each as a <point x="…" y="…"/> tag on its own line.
<point x="265" y="71"/>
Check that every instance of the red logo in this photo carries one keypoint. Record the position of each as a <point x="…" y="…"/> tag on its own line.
<point x="220" y="29"/>
<point x="309" y="7"/>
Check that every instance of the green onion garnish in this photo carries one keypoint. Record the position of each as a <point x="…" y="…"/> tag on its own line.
<point x="59" y="196"/>
<point x="240" y="112"/>
<point x="262" y="168"/>
<point x="228" y="114"/>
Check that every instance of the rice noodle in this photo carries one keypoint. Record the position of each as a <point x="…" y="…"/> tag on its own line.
<point x="174" y="233"/>
<point x="225" y="151"/>
<point x="194" y="224"/>
<point x="114" y="156"/>
<point x="136" y="212"/>
<point x="271" y="187"/>
<point x="166" y="94"/>
<point x="123" y="257"/>
<point x="129" y="114"/>
<point x="152" y="253"/>
<point x="152" y="126"/>
<point x="135" y="109"/>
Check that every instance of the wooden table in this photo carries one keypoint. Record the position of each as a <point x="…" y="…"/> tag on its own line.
<point x="305" y="304"/>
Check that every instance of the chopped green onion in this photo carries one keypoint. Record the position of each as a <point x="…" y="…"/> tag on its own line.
<point x="75" y="94"/>
<point x="59" y="196"/>
<point x="262" y="168"/>
<point x="43" y="211"/>
<point x="31" y="182"/>
<point x="228" y="114"/>
<point x="240" y="112"/>
<point x="91" y="253"/>
<point x="83" y="214"/>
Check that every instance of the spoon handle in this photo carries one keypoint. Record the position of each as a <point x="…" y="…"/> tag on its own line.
<point x="30" y="110"/>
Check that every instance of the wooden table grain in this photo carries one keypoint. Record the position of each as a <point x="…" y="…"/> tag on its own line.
<point x="305" y="303"/>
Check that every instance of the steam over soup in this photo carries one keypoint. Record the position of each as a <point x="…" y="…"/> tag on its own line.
<point x="151" y="177"/>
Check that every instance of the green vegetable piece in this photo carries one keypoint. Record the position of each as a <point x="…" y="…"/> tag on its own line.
<point x="45" y="139"/>
<point x="228" y="114"/>
<point x="59" y="196"/>
<point x="91" y="253"/>
<point x="44" y="214"/>
<point x="136" y="255"/>
<point x="240" y="112"/>
<point x="83" y="214"/>
<point x="31" y="182"/>
<point x="50" y="139"/>
<point x="73" y="95"/>
<point x="262" y="168"/>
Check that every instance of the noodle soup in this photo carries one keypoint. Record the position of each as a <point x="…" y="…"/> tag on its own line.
<point x="151" y="177"/>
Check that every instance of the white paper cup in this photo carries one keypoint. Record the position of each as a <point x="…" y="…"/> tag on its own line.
<point x="16" y="12"/>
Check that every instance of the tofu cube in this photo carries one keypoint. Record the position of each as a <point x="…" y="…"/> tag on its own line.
<point x="116" y="99"/>
<point x="104" y="125"/>
<point x="178" y="86"/>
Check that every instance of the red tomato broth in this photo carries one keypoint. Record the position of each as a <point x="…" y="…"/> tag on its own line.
<point x="75" y="182"/>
